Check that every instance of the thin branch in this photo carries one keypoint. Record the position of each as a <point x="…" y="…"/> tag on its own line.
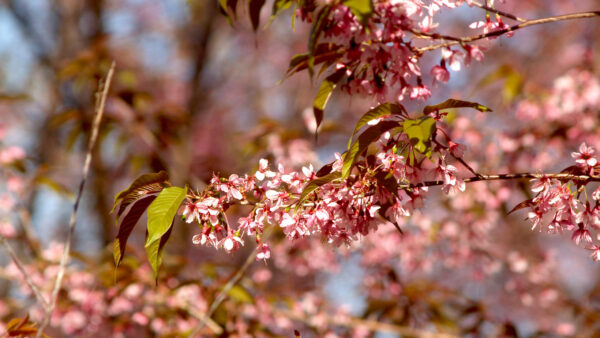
<point x="478" y="177"/>
<point x="100" y="104"/>
<point x="458" y="158"/>
<point x="527" y="23"/>
<point x="204" y="319"/>
<point x="21" y="268"/>
<point x="499" y="12"/>
<point x="230" y="284"/>
<point x="559" y="176"/>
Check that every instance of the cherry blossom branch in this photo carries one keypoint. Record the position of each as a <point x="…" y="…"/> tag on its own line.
<point x="464" y="40"/>
<point x="17" y="261"/>
<point x="499" y="12"/>
<point x="559" y="176"/>
<point x="458" y="158"/>
<point x="100" y="104"/>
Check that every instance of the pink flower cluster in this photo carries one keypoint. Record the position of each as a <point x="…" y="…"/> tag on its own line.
<point x="564" y="206"/>
<point x="305" y="204"/>
<point x="379" y="55"/>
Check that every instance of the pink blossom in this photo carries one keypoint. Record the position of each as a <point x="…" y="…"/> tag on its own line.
<point x="264" y="252"/>
<point x="420" y="92"/>
<point x="440" y="73"/>
<point x="11" y="154"/>
<point x="232" y="242"/>
<point x="7" y="230"/>
<point x="585" y="156"/>
<point x="581" y="234"/>
<point x="73" y="321"/>
<point x="595" y="255"/>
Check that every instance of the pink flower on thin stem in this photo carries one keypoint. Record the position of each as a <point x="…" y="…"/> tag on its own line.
<point x="264" y="252"/>
<point x="595" y="255"/>
<point x="581" y="234"/>
<point x="585" y="156"/>
<point x="440" y="73"/>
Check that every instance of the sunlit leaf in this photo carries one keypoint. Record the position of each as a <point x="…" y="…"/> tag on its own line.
<point x="452" y="103"/>
<point x="162" y="211"/>
<point x="324" y="93"/>
<point x="154" y="251"/>
<point x="379" y="111"/>
<point x="363" y="141"/>
<point x="240" y="295"/>
<point x="316" y="183"/>
<point x="56" y="186"/>
<point x="21" y="327"/>
<point x="227" y="8"/>
<point x="513" y="81"/>
<point x="13" y="97"/>
<point x="278" y="6"/>
<point x="419" y="133"/>
<point x="254" y="6"/>
<point x="362" y="9"/>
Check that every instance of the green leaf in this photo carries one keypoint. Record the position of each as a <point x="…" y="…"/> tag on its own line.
<point x="56" y="186"/>
<point x="362" y="143"/>
<point x="362" y="9"/>
<point x="126" y="222"/>
<point x="324" y="93"/>
<point x="254" y="6"/>
<point x="142" y="185"/>
<point x="240" y="295"/>
<point x="315" y="184"/>
<point x="379" y="111"/>
<point x="513" y="81"/>
<point x="154" y="251"/>
<point x="162" y="211"/>
<point x="452" y="103"/>
<point x="278" y="6"/>
<point x="419" y="133"/>
<point x="228" y="8"/>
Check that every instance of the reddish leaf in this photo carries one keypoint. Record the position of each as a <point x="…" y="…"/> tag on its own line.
<point x="325" y="91"/>
<point x="325" y="52"/>
<point x="315" y="34"/>
<point x="127" y="221"/>
<point x="143" y="185"/>
<point x="522" y="205"/>
<point x="254" y="7"/>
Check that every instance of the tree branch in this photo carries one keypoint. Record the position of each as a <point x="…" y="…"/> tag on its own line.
<point x="499" y="12"/>
<point x="464" y="40"/>
<point x="559" y="176"/>
<point x="21" y="268"/>
<point x="100" y="104"/>
<point x="230" y="284"/>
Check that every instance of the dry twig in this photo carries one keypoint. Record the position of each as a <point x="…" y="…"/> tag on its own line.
<point x="99" y="110"/>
